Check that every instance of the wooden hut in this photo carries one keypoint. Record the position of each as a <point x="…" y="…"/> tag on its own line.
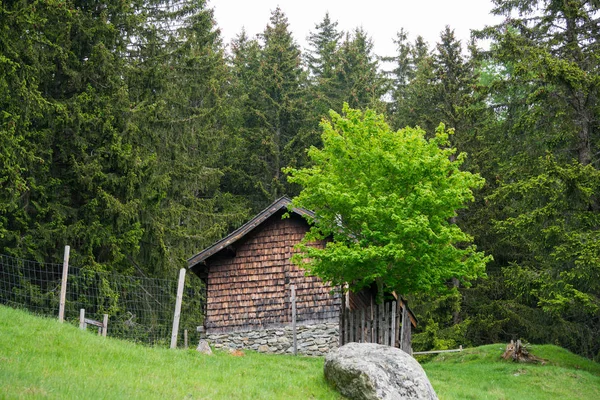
<point x="249" y="279"/>
<point x="249" y="283"/>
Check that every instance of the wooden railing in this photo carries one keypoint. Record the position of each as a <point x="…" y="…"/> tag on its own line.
<point x="387" y="324"/>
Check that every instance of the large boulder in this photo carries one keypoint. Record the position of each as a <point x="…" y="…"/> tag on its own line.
<point x="371" y="371"/>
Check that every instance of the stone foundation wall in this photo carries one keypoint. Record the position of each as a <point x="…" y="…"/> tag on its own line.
<point x="312" y="340"/>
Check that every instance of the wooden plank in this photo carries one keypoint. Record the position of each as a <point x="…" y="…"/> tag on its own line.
<point x="375" y="318"/>
<point x="439" y="351"/>
<point x="346" y="311"/>
<point x="386" y="324"/>
<point x="341" y="326"/>
<point x="93" y="322"/>
<point x="393" y="325"/>
<point x="357" y="326"/>
<point x="405" y="340"/>
<point x="352" y="326"/>
<point x="362" y="325"/>
<point x="63" y="285"/>
<point x="402" y="326"/>
<point x="369" y="318"/>
<point x="380" y="324"/>
<point x="409" y="334"/>
<point x="398" y="323"/>
<point x="177" y="313"/>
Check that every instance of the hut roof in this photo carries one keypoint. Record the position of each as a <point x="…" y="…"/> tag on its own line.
<point x="276" y="206"/>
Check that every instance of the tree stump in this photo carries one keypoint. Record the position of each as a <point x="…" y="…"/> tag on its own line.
<point x="519" y="353"/>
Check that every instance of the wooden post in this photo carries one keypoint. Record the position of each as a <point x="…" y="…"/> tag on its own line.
<point x="63" y="285"/>
<point x="82" y="318"/>
<point x="185" y="339"/>
<point x="105" y="325"/>
<point x="177" y="314"/>
<point x="294" y="335"/>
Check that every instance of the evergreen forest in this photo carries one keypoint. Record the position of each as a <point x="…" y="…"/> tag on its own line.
<point x="133" y="133"/>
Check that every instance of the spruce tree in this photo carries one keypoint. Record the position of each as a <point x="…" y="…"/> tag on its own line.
<point x="69" y="58"/>
<point x="269" y="74"/>
<point x="358" y="79"/>
<point x="180" y="85"/>
<point x="545" y="210"/>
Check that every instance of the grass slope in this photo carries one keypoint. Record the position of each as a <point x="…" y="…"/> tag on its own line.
<point x="40" y="358"/>
<point x="480" y="373"/>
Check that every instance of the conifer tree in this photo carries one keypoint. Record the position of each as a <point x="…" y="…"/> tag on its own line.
<point x="271" y="85"/>
<point x="117" y="154"/>
<point x="358" y="79"/>
<point x="68" y="59"/>
<point x="545" y="209"/>
<point x="322" y="61"/>
<point x="180" y="86"/>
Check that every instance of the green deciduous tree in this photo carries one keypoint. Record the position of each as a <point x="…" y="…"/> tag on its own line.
<point x="386" y="199"/>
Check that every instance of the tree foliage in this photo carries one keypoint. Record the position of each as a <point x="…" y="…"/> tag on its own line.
<point x="385" y="199"/>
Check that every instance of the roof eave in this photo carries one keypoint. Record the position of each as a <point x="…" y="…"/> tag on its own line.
<point x="277" y="205"/>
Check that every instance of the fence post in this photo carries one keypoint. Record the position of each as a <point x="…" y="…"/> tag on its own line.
<point x="82" y="318"/>
<point x="63" y="285"/>
<point x="177" y="314"/>
<point x="294" y="335"/>
<point x="105" y="325"/>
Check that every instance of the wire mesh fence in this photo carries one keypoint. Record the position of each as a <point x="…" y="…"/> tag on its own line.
<point x="139" y="308"/>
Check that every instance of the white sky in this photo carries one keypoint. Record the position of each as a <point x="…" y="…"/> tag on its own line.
<point x="381" y="19"/>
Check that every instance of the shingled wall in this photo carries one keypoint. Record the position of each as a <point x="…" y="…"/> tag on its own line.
<point x="248" y="287"/>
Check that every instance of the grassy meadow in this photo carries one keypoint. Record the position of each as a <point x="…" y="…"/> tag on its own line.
<point x="40" y="358"/>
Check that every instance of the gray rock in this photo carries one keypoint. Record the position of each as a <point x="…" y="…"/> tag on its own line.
<point x="203" y="347"/>
<point x="263" y="348"/>
<point x="371" y="371"/>
<point x="283" y="340"/>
